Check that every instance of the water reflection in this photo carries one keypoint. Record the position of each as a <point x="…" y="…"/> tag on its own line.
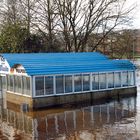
<point x="115" y="120"/>
<point x="15" y="125"/>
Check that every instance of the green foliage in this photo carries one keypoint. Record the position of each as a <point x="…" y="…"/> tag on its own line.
<point x="12" y="37"/>
<point x="33" y="43"/>
<point x="15" y="39"/>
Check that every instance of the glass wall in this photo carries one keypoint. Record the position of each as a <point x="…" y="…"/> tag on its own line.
<point x="78" y="83"/>
<point x="86" y="82"/>
<point x="11" y="83"/>
<point x="28" y="86"/>
<point x="95" y="81"/>
<point x="15" y="84"/>
<point x="102" y="80"/>
<point x="68" y="83"/>
<point x="24" y="85"/>
<point x="19" y="84"/>
<point x="48" y="85"/>
<point x="0" y="83"/>
<point x="39" y="84"/>
<point x="3" y="84"/>
<point x="8" y="82"/>
<point x="117" y="79"/>
<point x="124" y="79"/>
<point x="131" y="81"/>
<point x="64" y="83"/>
<point x="59" y="84"/>
<point x="110" y="80"/>
<point x="44" y="85"/>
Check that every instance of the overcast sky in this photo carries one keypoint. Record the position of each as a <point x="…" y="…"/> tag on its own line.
<point x="136" y="21"/>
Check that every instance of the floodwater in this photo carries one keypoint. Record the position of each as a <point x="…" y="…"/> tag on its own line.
<point x="110" y="120"/>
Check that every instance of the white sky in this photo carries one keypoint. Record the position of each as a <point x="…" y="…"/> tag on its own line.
<point x="136" y="20"/>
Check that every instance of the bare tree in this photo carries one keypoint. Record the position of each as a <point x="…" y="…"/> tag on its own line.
<point x="28" y="12"/>
<point x="45" y="21"/>
<point x="9" y="12"/>
<point x="80" y="18"/>
<point x="122" y="44"/>
<point x="118" y="44"/>
<point x="73" y="22"/>
<point x="18" y="11"/>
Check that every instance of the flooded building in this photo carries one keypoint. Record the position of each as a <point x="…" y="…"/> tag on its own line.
<point x="48" y="79"/>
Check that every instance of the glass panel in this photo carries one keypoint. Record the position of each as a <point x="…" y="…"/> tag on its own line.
<point x="39" y="84"/>
<point x="117" y="79"/>
<point x="49" y="85"/>
<point x="15" y="84"/>
<point x="19" y="82"/>
<point x="59" y="84"/>
<point x="8" y="82"/>
<point x="110" y="79"/>
<point x="11" y="83"/>
<point x="3" y="82"/>
<point x="28" y="86"/>
<point x="125" y="79"/>
<point x="102" y="80"/>
<point x="0" y="83"/>
<point x="24" y="85"/>
<point x="86" y="82"/>
<point x="78" y="83"/>
<point x="131" y="78"/>
<point x="95" y="82"/>
<point x="68" y="83"/>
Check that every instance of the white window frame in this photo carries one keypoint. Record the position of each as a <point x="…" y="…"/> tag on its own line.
<point x="73" y="85"/>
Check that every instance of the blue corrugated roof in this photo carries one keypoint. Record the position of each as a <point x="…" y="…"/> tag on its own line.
<point x="65" y="63"/>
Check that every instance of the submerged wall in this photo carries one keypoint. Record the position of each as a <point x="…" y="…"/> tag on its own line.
<point x="41" y="102"/>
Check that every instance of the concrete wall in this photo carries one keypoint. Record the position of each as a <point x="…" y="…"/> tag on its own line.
<point x="40" y="102"/>
<point x="16" y="100"/>
<point x="77" y="98"/>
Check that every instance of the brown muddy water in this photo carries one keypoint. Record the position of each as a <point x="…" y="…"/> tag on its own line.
<point x="110" y="120"/>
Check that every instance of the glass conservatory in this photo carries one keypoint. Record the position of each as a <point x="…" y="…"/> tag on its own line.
<point x="67" y="84"/>
<point x="55" y="74"/>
